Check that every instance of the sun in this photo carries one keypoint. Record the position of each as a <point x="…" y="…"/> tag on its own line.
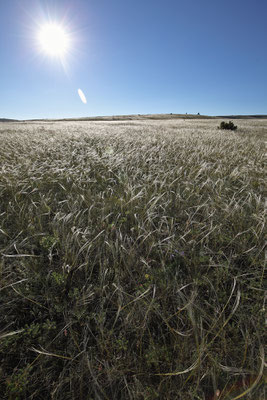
<point x="53" y="40"/>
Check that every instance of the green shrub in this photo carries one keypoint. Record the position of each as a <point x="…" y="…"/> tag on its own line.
<point x="228" y="125"/>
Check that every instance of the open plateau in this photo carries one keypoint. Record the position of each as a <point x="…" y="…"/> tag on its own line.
<point x="132" y="259"/>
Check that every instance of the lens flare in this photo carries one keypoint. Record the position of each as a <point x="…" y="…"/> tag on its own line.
<point x="82" y="96"/>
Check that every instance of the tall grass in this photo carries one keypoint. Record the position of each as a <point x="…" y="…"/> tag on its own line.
<point x="132" y="260"/>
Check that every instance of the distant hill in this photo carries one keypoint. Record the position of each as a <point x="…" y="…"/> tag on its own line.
<point x="8" y="120"/>
<point x="140" y="117"/>
<point x="127" y="117"/>
<point x="243" y="116"/>
<point x="135" y="117"/>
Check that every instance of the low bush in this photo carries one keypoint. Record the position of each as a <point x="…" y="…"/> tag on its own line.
<point x="228" y="125"/>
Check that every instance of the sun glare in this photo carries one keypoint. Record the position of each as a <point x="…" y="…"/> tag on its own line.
<point x="54" y="40"/>
<point x="82" y="96"/>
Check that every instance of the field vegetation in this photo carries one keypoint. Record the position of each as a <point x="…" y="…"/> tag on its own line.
<point x="132" y="260"/>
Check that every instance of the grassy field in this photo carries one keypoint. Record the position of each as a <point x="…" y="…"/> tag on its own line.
<point x="132" y="260"/>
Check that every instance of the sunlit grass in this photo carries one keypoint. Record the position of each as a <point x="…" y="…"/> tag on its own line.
<point x="132" y="260"/>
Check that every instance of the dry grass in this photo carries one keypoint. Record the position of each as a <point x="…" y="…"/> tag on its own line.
<point x="132" y="260"/>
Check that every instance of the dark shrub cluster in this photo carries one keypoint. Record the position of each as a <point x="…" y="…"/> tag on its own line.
<point x="228" y="125"/>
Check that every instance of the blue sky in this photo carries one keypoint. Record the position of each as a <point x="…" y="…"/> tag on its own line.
<point x="131" y="57"/>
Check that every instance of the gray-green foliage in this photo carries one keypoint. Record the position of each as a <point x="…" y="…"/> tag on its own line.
<point x="228" y="125"/>
<point x="132" y="259"/>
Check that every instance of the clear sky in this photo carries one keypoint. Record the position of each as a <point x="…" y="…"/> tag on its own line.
<point x="134" y="56"/>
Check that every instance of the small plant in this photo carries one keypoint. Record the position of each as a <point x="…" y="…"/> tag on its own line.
<point x="48" y="242"/>
<point x="228" y="125"/>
